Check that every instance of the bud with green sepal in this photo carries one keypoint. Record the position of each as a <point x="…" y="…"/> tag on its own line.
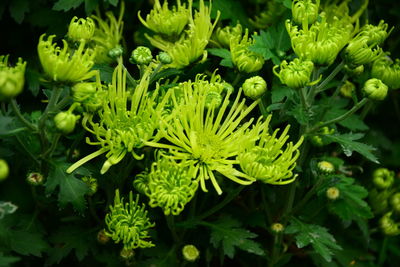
<point x="4" y="169"/>
<point x="305" y="10"/>
<point x="141" y="56"/>
<point x="116" y="52"/>
<point x="395" y="202"/>
<point x="347" y="89"/>
<point x="388" y="225"/>
<point x="383" y="178"/>
<point x="190" y="253"/>
<point x="164" y="58"/>
<point x="319" y="139"/>
<point x="375" y="89"/>
<point x="332" y="193"/>
<point x="81" y="29"/>
<point x="326" y="167"/>
<point x="91" y="183"/>
<point x="127" y="254"/>
<point x="277" y="228"/>
<point x="35" y="178"/>
<point x="65" y="120"/>
<point x="296" y="74"/>
<point x="254" y="87"/>
<point x="11" y="78"/>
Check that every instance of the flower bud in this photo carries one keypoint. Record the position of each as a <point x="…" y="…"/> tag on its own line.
<point x="190" y="253"/>
<point x="65" y="121"/>
<point x="116" y="52"/>
<point x="355" y="71"/>
<point x="383" y="178"/>
<point x="4" y="170"/>
<point x="296" y="74"/>
<point x="254" y="87"/>
<point x="127" y="253"/>
<point x="141" y="55"/>
<point x="388" y="225"/>
<point x="387" y="71"/>
<point x="35" y="178"/>
<point x="320" y="140"/>
<point x="91" y="183"/>
<point x="224" y="35"/>
<point x="81" y="29"/>
<point x="376" y="34"/>
<point x="358" y="52"/>
<point x="347" y="89"/>
<point x="332" y="193"/>
<point x="213" y="100"/>
<point x="11" y="78"/>
<point x="164" y="58"/>
<point x="375" y="89"/>
<point x="325" y="167"/>
<point x="83" y="90"/>
<point x="277" y="228"/>
<point x="102" y="237"/>
<point x="379" y="201"/>
<point x="395" y="202"/>
<point x="305" y="10"/>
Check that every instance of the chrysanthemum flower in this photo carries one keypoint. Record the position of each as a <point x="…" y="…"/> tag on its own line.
<point x="12" y="79"/>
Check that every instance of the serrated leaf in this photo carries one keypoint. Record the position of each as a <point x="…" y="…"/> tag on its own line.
<point x="311" y="234"/>
<point x="71" y="189"/>
<point x="228" y="233"/>
<point x="26" y="243"/>
<point x="232" y="10"/>
<point x="90" y="5"/>
<point x="7" y="260"/>
<point x="278" y="93"/>
<point x="18" y="8"/>
<point x="223" y="53"/>
<point x="113" y="2"/>
<point x="348" y="143"/>
<point x="67" y="4"/>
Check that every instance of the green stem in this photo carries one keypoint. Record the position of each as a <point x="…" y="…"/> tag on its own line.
<point x="17" y="112"/>
<point x="382" y="253"/>
<point x="156" y="70"/>
<point x="332" y="75"/>
<point x="237" y="79"/>
<point x="171" y="225"/>
<point x="262" y="107"/>
<point x="303" y="100"/>
<point x="308" y="195"/>
<point x="342" y="117"/>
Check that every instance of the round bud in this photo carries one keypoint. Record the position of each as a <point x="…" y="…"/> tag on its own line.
<point x="141" y="55"/>
<point x="347" y="89"/>
<point x="35" y="178"/>
<point x="102" y="237"/>
<point x="332" y="193"/>
<point x="395" y="202"/>
<point x="326" y="167"/>
<point x="65" y="121"/>
<point x="116" y="52"/>
<point x="254" y="87"/>
<point x="277" y="228"/>
<point x="127" y="253"/>
<point x="388" y="225"/>
<point x="91" y="183"/>
<point x="375" y="89"/>
<point x="4" y="170"/>
<point x="383" y="178"/>
<point x="165" y="58"/>
<point x="190" y="253"/>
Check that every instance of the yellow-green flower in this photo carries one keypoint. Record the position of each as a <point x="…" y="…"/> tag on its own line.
<point x="270" y="15"/>
<point x="167" y="22"/>
<point x="360" y="52"/>
<point x="63" y="64"/>
<point x="81" y="29"/>
<point x="267" y="161"/>
<point x="12" y="79"/>
<point x="305" y="10"/>
<point x="223" y="36"/>
<point x="375" y="89"/>
<point x="126" y="121"/>
<point x="128" y="223"/>
<point x="387" y="70"/>
<point x="295" y="74"/>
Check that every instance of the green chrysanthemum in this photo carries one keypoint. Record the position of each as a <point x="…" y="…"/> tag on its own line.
<point x="128" y="223"/>
<point x="12" y="79"/>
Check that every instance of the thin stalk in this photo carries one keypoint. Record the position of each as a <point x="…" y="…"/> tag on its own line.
<point x="17" y="112"/>
<point x="156" y="70"/>
<point x="308" y="195"/>
<point x="382" y="253"/>
<point x="171" y="225"/>
<point x="332" y="75"/>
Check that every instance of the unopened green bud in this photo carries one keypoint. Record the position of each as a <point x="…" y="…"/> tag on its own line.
<point x="102" y="237"/>
<point x="81" y="29"/>
<point x="388" y="225"/>
<point x="83" y="90"/>
<point x="116" y="52"/>
<point x="141" y="55"/>
<point x="376" y="34"/>
<point x="213" y="100"/>
<point x="395" y="202"/>
<point x="332" y="193"/>
<point x="387" y="70"/>
<point x="277" y="228"/>
<point x="224" y="35"/>
<point x="320" y="140"/>
<point x="11" y="78"/>
<point x="245" y="60"/>
<point x="354" y="71"/>
<point x="305" y="10"/>
<point x="164" y="58"/>
<point x="190" y="253"/>
<point x="65" y="121"/>
<point x="383" y="178"/>
<point x="127" y="253"/>
<point x="35" y="178"/>
<point x="379" y="201"/>
<point x="4" y="170"/>
<point x="254" y="87"/>
<point x="295" y="74"/>
<point x="375" y="89"/>
<point x="347" y="89"/>
<point x="326" y="167"/>
<point x="91" y="183"/>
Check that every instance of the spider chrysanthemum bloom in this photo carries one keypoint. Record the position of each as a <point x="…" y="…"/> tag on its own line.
<point x="128" y="223"/>
<point x="107" y="35"/>
<point x="295" y="74"/>
<point x="81" y="29"/>
<point x="12" y="79"/>
<point x="170" y="185"/>
<point x="268" y="161"/>
<point x="305" y="10"/>
<point x="360" y="52"/>
<point x="191" y="45"/>
<point x="244" y="59"/>
<point x="387" y="70"/>
<point x="223" y="36"/>
<point x="126" y="121"/>
<point x="164" y="21"/>
<point x="63" y="64"/>
<point x="209" y="138"/>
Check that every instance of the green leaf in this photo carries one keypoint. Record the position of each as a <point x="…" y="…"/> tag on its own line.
<point x="18" y="8"/>
<point x="225" y="54"/>
<point x="32" y="79"/>
<point x="348" y="143"/>
<point x="228" y="232"/>
<point x="26" y="243"/>
<point x="71" y="189"/>
<point x="278" y="93"/>
<point x="164" y="74"/>
<point x="7" y="260"/>
<point x="113" y="2"/>
<point x="232" y="10"/>
<point x="311" y="234"/>
<point x="67" y="4"/>
<point x="353" y="122"/>
<point x="106" y="72"/>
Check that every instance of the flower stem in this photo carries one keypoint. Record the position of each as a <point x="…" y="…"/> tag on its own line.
<point x="332" y="75"/>
<point x="17" y="112"/>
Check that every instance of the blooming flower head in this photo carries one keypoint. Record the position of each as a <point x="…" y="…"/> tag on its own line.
<point x="169" y="185"/>
<point x="81" y="29"/>
<point x="128" y="223"/>
<point x="244" y="59"/>
<point x="270" y="15"/>
<point x="190" y="45"/>
<point x="295" y="74"/>
<point x="375" y="89"/>
<point x="267" y="161"/>
<point x="223" y="36"/>
<point x="125" y="123"/>
<point x="63" y="64"/>
<point x="209" y="138"/>
<point x="164" y="21"/>
<point x="387" y="70"/>
<point x="12" y="79"/>
<point x="305" y="10"/>
<point x="107" y="35"/>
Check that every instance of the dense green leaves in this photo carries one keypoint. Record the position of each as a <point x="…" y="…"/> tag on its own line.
<point x="223" y="53"/>
<point x="66" y="5"/>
